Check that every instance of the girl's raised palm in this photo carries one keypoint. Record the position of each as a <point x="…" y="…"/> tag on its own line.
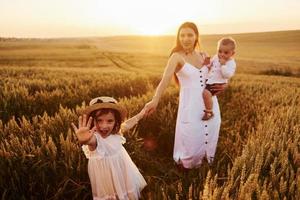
<point x="84" y="131"/>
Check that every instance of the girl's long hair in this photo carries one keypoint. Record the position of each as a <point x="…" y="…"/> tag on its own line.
<point x="179" y="47"/>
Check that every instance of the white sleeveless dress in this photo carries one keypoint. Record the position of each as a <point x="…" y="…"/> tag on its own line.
<point x="112" y="173"/>
<point x="194" y="138"/>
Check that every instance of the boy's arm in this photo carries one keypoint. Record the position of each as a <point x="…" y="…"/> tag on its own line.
<point x="209" y="66"/>
<point x="128" y="124"/>
<point x="228" y="69"/>
<point x="212" y="62"/>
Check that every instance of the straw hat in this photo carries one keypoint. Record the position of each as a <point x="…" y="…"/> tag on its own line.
<point x="105" y="102"/>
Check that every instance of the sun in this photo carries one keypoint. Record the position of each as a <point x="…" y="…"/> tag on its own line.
<point x="144" y="18"/>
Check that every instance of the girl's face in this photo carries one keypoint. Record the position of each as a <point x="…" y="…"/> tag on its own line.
<point x="187" y="38"/>
<point x="105" y="124"/>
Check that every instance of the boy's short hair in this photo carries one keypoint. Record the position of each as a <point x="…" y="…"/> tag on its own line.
<point x="227" y="41"/>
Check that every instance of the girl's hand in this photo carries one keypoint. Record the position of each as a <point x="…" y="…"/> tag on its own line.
<point x="130" y="123"/>
<point x="150" y="107"/>
<point x="219" y="88"/>
<point x="83" y="132"/>
<point x="141" y="114"/>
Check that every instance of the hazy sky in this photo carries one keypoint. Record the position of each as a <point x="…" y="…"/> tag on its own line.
<point x="71" y="18"/>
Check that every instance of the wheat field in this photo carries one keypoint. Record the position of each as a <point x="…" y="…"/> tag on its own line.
<point x="45" y="81"/>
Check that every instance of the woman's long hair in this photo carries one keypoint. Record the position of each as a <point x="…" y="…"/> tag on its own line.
<point x="179" y="47"/>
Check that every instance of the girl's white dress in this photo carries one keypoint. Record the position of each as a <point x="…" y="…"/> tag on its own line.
<point x="113" y="175"/>
<point x="194" y="138"/>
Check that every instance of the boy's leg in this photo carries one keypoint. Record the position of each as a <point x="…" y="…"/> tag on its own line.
<point x="207" y="98"/>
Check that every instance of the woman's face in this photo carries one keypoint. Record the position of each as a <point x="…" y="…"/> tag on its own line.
<point x="187" y="38"/>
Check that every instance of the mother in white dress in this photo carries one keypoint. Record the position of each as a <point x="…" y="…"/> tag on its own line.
<point x="195" y="139"/>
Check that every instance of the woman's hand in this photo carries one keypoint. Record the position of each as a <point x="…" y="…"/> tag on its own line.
<point x="150" y="107"/>
<point x="83" y="132"/>
<point x="219" y="88"/>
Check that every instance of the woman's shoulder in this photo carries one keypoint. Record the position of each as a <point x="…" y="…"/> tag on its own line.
<point x="177" y="57"/>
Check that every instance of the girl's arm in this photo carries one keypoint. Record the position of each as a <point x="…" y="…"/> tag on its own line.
<point x="166" y="79"/>
<point x="84" y="134"/>
<point x="128" y="124"/>
<point x="92" y="143"/>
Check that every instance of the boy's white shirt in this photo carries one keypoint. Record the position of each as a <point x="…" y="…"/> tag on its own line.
<point x="221" y="73"/>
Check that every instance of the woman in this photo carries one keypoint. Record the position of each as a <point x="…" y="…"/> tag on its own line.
<point x="194" y="138"/>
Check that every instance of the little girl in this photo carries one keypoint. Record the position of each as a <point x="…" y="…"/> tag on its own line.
<point x="112" y="173"/>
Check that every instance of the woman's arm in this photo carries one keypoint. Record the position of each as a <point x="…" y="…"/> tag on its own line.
<point x="173" y="61"/>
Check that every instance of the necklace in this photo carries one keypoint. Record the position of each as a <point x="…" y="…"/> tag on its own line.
<point x="189" y="51"/>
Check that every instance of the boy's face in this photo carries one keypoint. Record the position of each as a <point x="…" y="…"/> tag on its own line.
<point x="105" y="123"/>
<point x="225" y="52"/>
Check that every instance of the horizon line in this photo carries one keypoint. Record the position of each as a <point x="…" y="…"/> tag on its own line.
<point x="145" y="35"/>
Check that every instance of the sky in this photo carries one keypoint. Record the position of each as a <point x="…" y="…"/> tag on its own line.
<point x="81" y="18"/>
